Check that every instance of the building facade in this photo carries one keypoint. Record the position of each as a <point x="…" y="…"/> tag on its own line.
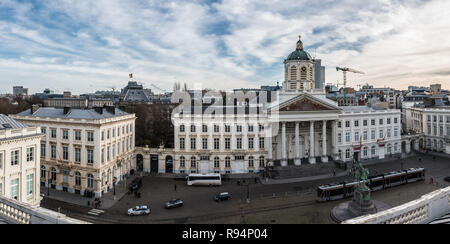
<point x="299" y="125"/>
<point x="19" y="161"/>
<point x="83" y="151"/>
<point x="434" y="124"/>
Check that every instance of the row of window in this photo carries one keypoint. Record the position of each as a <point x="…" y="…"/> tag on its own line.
<point x="227" y="128"/>
<point x="216" y="143"/>
<point x="113" y="151"/>
<point x="365" y="137"/>
<point x="54" y="154"/>
<point x="373" y="151"/>
<point x="65" y="173"/>
<point x="439" y="132"/>
<point x="111" y="133"/>
<point x="29" y="187"/>
<point x="65" y="134"/>
<point x="365" y="122"/>
<point x="227" y="163"/>
<point x="441" y="118"/>
<point x="15" y="157"/>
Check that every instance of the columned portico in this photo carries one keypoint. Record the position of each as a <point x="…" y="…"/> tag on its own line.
<point x="304" y="131"/>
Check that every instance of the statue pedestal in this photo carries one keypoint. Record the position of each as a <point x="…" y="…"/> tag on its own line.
<point x="361" y="203"/>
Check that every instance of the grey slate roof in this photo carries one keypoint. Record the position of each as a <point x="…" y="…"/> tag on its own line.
<point x="361" y="108"/>
<point x="8" y="123"/>
<point x="73" y="114"/>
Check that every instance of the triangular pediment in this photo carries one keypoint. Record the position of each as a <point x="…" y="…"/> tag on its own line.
<point x="306" y="103"/>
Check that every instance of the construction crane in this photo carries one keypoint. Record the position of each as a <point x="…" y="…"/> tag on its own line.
<point x="345" y="70"/>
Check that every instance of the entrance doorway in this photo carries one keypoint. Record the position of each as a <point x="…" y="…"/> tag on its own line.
<point x="154" y="163"/>
<point x="169" y="164"/>
<point x="140" y="162"/>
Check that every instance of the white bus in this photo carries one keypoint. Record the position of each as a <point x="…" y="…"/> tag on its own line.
<point x="204" y="179"/>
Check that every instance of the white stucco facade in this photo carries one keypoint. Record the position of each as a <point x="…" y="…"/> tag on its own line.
<point x="19" y="164"/>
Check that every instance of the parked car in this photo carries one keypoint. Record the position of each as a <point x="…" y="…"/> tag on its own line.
<point x="223" y="196"/>
<point x="139" y="210"/>
<point x="447" y="178"/>
<point x="174" y="203"/>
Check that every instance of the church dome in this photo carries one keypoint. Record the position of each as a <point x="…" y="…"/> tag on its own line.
<point x="299" y="53"/>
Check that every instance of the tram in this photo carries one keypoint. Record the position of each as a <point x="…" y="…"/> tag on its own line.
<point x="342" y="190"/>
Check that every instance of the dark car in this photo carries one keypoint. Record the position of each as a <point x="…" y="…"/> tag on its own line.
<point x="447" y="178"/>
<point x="174" y="203"/>
<point x="223" y="197"/>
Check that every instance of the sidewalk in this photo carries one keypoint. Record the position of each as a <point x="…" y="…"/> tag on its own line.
<point x="108" y="199"/>
<point x="267" y="181"/>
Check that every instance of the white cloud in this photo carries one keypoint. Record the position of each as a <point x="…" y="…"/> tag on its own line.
<point x="93" y="45"/>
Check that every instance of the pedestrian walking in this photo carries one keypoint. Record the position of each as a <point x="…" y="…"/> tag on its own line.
<point x="175" y="187"/>
<point x="334" y="173"/>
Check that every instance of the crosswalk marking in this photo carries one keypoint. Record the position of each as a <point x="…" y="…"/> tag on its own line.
<point x="96" y="212"/>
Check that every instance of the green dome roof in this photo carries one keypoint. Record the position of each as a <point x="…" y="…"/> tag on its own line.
<point x="299" y="53"/>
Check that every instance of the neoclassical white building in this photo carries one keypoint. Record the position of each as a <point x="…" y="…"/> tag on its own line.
<point x="83" y="151"/>
<point x="297" y="125"/>
<point x="19" y="161"/>
<point x="434" y="124"/>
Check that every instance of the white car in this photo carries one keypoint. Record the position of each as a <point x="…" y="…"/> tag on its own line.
<point x="139" y="210"/>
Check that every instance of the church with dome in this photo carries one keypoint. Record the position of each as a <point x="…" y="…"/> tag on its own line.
<point x="244" y="132"/>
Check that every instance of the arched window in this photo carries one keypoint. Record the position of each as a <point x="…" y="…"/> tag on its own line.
<point x="227" y="162"/>
<point x="43" y="173"/>
<point x="182" y="162"/>
<point x="90" y="181"/>
<point x="193" y="162"/>
<point x="389" y="148"/>
<point x="373" y="151"/>
<point x="340" y="154"/>
<point x="262" y="162"/>
<point x="53" y="170"/>
<point x="77" y="178"/>
<point x="347" y="154"/>
<point x="216" y="162"/>
<point x="365" y="152"/>
<point x="293" y="73"/>
<point x="395" y="147"/>
<point x="251" y="163"/>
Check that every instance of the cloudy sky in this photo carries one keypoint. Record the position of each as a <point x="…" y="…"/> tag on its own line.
<point x="83" y="46"/>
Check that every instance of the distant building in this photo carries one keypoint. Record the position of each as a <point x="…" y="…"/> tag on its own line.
<point x="20" y="91"/>
<point x="19" y="160"/>
<point x="134" y="92"/>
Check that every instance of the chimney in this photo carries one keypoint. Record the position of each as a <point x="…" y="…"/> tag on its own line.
<point x="98" y="110"/>
<point x="111" y="109"/>
<point x="67" y="110"/>
<point x="34" y="108"/>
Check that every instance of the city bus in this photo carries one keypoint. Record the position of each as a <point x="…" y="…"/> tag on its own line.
<point x="204" y="179"/>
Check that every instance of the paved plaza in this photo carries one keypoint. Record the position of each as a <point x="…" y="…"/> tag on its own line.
<point x="271" y="203"/>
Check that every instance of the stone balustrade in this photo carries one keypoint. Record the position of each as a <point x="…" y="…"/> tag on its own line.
<point x="420" y="211"/>
<point x="22" y="213"/>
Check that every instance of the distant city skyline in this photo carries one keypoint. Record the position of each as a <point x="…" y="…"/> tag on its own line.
<point x="85" y="46"/>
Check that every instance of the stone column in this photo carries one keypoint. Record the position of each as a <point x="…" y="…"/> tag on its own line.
<point x="324" y="142"/>
<point x="283" y="145"/>
<point x="269" y="147"/>
<point x="297" y="160"/>
<point x="334" y="140"/>
<point x="312" y="159"/>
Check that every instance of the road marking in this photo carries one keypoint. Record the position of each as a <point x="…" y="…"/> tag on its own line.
<point x="96" y="212"/>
